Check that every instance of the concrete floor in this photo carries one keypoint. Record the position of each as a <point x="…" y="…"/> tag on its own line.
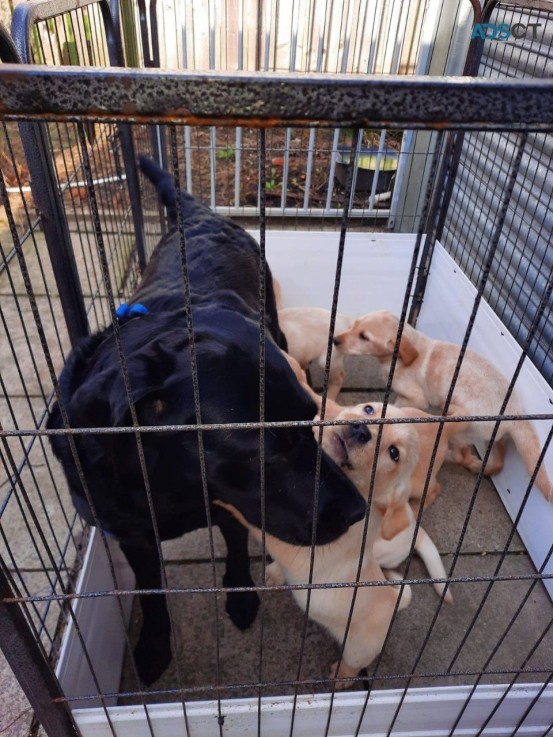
<point x="216" y="653"/>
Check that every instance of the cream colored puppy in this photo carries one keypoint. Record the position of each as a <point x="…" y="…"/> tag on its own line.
<point x="352" y="447"/>
<point x="393" y="543"/>
<point x="331" y="409"/>
<point x="428" y="433"/>
<point x="390" y="553"/>
<point x="422" y="378"/>
<point x="306" y="330"/>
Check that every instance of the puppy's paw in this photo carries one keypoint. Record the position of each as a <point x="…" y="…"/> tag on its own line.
<point x="242" y="608"/>
<point x="274" y="575"/>
<point x="468" y="459"/>
<point x="152" y="655"/>
<point x="406" y="593"/>
<point x="448" y="598"/>
<point x="344" y="671"/>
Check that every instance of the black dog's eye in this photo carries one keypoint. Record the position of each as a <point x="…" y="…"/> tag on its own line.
<point x="363" y="336"/>
<point x="368" y="409"/>
<point x="394" y="453"/>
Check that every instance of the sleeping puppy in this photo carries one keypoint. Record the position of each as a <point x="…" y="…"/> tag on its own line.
<point x="143" y="488"/>
<point x="306" y="330"/>
<point x="422" y="378"/>
<point x="352" y="446"/>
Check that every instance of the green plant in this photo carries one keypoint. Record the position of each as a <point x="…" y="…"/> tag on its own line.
<point x="271" y="184"/>
<point x="227" y="153"/>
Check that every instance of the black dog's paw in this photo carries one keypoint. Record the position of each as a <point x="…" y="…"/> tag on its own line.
<point x="152" y="655"/>
<point x="242" y="608"/>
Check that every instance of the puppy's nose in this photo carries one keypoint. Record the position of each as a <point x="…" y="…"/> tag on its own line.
<point x="360" y="433"/>
<point x="336" y="341"/>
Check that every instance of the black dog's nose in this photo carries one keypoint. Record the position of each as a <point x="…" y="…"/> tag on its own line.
<point x="360" y="433"/>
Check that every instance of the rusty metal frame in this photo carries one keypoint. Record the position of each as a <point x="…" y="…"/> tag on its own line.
<point x="25" y="16"/>
<point x="28" y="661"/>
<point x="269" y="99"/>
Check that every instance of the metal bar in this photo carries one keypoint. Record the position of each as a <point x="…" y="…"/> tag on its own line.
<point x="55" y="228"/>
<point x="143" y="15"/>
<point x="116" y="58"/>
<point x="26" y="659"/>
<point x="310" y="682"/>
<point x="8" y="50"/>
<point x="262" y="329"/>
<point x="280" y="424"/>
<point x="208" y="590"/>
<point x="29" y="13"/>
<point x="271" y="99"/>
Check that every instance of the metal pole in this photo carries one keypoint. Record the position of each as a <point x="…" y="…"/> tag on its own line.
<point x="26" y="658"/>
<point x="54" y="224"/>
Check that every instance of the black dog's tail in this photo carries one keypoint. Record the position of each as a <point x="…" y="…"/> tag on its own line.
<point x="163" y="182"/>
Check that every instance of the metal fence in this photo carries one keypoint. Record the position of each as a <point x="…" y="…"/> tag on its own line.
<point x="308" y="168"/>
<point x="483" y="163"/>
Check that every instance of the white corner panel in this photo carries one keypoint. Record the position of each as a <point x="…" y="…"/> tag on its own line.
<point x="100" y="625"/>
<point x="424" y="713"/>
<point x="448" y="303"/>
<point x="374" y="273"/>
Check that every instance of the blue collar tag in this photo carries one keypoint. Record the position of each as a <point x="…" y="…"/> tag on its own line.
<point x="124" y="312"/>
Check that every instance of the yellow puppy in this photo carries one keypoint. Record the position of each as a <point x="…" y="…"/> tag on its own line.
<point x="393" y="543"/>
<point x="306" y="330"/>
<point x="422" y="378"/>
<point x="352" y="447"/>
<point x="331" y="409"/>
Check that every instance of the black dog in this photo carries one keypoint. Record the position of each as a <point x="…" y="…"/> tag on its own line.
<point x="223" y="264"/>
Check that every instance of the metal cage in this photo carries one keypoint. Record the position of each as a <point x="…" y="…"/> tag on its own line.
<point x="461" y="250"/>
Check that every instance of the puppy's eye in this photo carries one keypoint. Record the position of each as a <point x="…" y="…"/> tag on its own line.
<point x="363" y="336"/>
<point x="394" y="453"/>
<point x="368" y="409"/>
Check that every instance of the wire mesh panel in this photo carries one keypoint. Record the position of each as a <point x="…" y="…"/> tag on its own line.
<point x="53" y="34"/>
<point x="308" y="168"/>
<point x="42" y="537"/>
<point x="180" y="414"/>
<point x="525" y="244"/>
<point x="496" y="631"/>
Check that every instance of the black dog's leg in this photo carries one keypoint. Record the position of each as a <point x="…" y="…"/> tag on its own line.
<point x="241" y="606"/>
<point x="152" y="653"/>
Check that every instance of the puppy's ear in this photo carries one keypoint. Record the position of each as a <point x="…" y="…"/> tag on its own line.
<point x="332" y="409"/>
<point x="407" y="351"/>
<point x="396" y="519"/>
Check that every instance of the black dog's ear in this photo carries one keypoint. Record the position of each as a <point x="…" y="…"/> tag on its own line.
<point x="91" y="404"/>
<point x="157" y="384"/>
